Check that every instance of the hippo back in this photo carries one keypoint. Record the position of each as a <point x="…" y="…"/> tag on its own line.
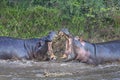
<point x="12" y="47"/>
<point x="108" y="51"/>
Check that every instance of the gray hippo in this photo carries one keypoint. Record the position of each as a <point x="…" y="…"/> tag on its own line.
<point x="91" y="53"/>
<point x="34" y="48"/>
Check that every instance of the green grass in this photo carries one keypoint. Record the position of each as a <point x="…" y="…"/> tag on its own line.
<point x="26" y="20"/>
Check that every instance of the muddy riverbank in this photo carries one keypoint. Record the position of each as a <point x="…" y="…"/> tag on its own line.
<point x="31" y="70"/>
<point x="57" y="70"/>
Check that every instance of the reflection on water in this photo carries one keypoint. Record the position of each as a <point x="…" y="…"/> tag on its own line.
<point x="30" y="70"/>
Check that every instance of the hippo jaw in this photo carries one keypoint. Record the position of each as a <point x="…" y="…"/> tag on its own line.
<point x="41" y="51"/>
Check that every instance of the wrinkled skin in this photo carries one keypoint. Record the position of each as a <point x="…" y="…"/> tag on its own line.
<point x="34" y="48"/>
<point x="91" y="53"/>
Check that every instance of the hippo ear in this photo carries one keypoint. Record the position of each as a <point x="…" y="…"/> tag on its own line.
<point x="77" y="38"/>
<point x="82" y="41"/>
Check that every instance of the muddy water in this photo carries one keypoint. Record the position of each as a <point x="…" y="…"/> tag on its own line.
<point x="31" y="70"/>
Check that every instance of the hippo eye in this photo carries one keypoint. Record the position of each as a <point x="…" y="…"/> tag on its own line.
<point x="38" y="44"/>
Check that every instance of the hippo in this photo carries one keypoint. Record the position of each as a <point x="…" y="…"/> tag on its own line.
<point x="28" y="49"/>
<point x="90" y="53"/>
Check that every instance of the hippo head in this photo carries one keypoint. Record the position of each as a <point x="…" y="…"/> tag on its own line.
<point x="82" y="49"/>
<point x="45" y="45"/>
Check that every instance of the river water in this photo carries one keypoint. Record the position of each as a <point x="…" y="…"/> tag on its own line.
<point x="31" y="70"/>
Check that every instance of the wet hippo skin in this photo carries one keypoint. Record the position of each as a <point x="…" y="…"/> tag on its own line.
<point x="34" y="48"/>
<point x="91" y="53"/>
